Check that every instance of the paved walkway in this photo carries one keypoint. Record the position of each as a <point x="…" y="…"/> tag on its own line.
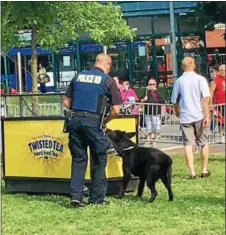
<point x="176" y="149"/>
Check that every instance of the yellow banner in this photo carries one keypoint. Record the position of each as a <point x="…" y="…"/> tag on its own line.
<point x="39" y="148"/>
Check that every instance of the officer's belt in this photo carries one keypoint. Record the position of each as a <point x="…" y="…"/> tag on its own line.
<point x="85" y="114"/>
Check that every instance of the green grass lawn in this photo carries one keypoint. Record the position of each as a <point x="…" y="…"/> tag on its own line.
<point x="198" y="209"/>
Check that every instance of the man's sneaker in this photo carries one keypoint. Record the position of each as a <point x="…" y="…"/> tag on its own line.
<point x="103" y="203"/>
<point x="203" y="175"/>
<point x="191" y="177"/>
<point x="77" y="203"/>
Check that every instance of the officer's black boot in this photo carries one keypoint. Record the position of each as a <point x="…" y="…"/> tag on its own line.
<point x="77" y="203"/>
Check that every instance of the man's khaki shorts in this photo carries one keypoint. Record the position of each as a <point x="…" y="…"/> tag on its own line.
<point x="194" y="133"/>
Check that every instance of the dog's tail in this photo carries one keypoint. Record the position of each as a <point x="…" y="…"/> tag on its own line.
<point x="169" y="173"/>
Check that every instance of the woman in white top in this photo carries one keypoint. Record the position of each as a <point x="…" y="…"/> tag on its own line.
<point x="43" y="78"/>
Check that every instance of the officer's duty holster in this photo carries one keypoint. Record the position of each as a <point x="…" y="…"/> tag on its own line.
<point x="101" y="113"/>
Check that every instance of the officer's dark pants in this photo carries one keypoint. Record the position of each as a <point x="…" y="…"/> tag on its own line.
<point x="83" y="132"/>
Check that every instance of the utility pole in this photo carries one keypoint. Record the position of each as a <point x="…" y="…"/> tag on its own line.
<point x="173" y="41"/>
<point x="19" y="72"/>
<point x="104" y="49"/>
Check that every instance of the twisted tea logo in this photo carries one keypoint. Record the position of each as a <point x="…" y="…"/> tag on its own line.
<point x="46" y="147"/>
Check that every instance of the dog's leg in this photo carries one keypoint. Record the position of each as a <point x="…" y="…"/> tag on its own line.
<point x="152" y="176"/>
<point x="141" y="186"/>
<point x="154" y="192"/>
<point x="166" y="179"/>
<point x="125" y="180"/>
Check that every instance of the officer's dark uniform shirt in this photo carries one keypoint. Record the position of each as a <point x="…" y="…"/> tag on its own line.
<point x="85" y="88"/>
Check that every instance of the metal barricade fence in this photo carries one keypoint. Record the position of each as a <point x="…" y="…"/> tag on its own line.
<point x="26" y="105"/>
<point x="46" y="109"/>
<point x="217" y="123"/>
<point x="158" y="123"/>
<point x="12" y="110"/>
<point x="221" y="58"/>
<point x="62" y="85"/>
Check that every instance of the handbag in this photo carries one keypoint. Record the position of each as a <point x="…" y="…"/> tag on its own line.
<point x="45" y="79"/>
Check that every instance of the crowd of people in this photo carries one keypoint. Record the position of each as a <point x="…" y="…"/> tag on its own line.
<point x="152" y="113"/>
<point x="191" y="97"/>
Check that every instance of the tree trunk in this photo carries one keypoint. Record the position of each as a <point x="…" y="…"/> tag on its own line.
<point x="34" y="69"/>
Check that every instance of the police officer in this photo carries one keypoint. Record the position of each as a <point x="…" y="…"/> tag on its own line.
<point x="86" y="96"/>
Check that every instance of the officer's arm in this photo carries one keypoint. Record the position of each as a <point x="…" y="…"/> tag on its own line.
<point x="67" y="102"/>
<point x="115" y="110"/>
<point x="68" y="96"/>
<point x="115" y="98"/>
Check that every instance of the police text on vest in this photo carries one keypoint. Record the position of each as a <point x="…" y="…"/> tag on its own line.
<point x="89" y="78"/>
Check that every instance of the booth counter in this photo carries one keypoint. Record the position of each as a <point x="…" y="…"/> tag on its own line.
<point x="36" y="157"/>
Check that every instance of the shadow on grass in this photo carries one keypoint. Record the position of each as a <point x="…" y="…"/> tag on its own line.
<point x="63" y="200"/>
<point x="217" y="159"/>
<point x="130" y="198"/>
<point x="205" y="200"/>
<point x="60" y="199"/>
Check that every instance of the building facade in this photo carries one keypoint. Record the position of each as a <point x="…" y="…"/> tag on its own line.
<point x="149" y="55"/>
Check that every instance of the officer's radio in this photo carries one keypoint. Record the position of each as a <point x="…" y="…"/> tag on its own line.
<point x="68" y="116"/>
<point x="102" y="108"/>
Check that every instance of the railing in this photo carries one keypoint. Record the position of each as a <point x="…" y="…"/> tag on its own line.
<point x="62" y="85"/>
<point x="217" y="123"/>
<point x="156" y="122"/>
<point x="21" y="105"/>
<point x="221" y="58"/>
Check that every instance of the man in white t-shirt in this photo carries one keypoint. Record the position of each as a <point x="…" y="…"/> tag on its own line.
<point x="190" y="97"/>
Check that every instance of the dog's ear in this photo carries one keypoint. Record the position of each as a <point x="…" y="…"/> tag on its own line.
<point x="107" y="131"/>
<point x="130" y="134"/>
<point x="120" y="134"/>
<point x="115" y="135"/>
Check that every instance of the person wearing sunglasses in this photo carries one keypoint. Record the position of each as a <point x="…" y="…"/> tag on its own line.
<point x="152" y="110"/>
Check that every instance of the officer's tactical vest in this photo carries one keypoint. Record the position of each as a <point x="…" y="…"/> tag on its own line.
<point x="89" y="90"/>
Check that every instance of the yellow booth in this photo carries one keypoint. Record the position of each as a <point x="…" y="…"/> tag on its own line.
<point x="36" y="157"/>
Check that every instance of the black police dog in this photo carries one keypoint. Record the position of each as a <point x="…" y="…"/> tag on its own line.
<point x="149" y="164"/>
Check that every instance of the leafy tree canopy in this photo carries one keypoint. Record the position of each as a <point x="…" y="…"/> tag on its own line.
<point x="59" y="22"/>
<point x="207" y="14"/>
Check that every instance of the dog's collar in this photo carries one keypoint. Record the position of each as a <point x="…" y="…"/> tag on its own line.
<point x="131" y="147"/>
